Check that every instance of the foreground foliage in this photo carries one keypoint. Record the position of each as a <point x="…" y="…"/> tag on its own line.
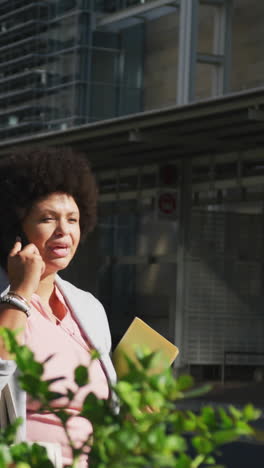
<point x="148" y="429"/>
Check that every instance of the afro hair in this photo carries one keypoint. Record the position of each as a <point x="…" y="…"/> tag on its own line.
<point x="31" y="174"/>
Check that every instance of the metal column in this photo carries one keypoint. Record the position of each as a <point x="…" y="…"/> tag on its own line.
<point x="184" y="223"/>
<point x="187" y="51"/>
<point x="219" y="58"/>
<point x="89" y="29"/>
<point x="222" y="47"/>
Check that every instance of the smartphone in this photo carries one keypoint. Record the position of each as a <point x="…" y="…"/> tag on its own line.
<point x="7" y="244"/>
<point x="23" y="237"/>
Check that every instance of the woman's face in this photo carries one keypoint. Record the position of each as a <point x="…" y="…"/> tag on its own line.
<point x="53" y="225"/>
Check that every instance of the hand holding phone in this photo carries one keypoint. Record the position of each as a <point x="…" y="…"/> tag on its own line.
<point x="25" y="267"/>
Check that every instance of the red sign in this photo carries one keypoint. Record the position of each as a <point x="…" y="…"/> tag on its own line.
<point x="167" y="203"/>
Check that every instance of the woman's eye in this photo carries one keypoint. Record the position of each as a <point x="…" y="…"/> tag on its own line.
<point x="73" y="220"/>
<point x="47" y="219"/>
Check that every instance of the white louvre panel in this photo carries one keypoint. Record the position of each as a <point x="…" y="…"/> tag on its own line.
<point x="224" y="297"/>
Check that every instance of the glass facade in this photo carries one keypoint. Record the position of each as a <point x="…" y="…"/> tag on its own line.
<point x="57" y="71"/>
<point x="110" y="6"/>
<point x="140" y="278"/>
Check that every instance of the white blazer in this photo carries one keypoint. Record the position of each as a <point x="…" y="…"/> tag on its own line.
<point x="90" y="315"/>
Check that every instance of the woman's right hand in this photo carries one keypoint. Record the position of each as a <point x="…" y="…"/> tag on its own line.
<point x="25" y="267"/>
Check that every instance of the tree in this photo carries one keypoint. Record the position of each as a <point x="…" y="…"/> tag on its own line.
<point x="146" y="429"/>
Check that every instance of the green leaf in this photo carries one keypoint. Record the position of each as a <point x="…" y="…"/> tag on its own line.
<point x="128" y="395"/>
<point x="34" y="455"/>
<point x="132" y="438"/>
<point x="159" y="382"/>
<point x="9" y="337"/>
<point x="70" y="394"/>
<point x="175" y="443"/>
<point x="81" y="376"/>
<point x="202" y="445"/>
<point x="166" y="384"/>
<point x="8" y="435"/>
<point x="225" y="436"/>
<point x="146" y="360"/>
<point x="189" y="424"/>
<point x="250" y="413"/>
<point x="51" y="396"/>
<point x="24" y="359"/>
<point x="227" y="422"/>
<point x="128" y="439"/>
<point x="63" y="416"/>
<point x="22" y="465"/>
<point x="94" y="354"/>
<point x="199" y="459"/>
<point x="5" y="456"/>
<point x="198" y="391"/>
<point x="156" y="438"/>
<point x="208" y="416"/>
<point x="153" y="399"/>
<point x="32" y="385"/>
<point x="243" y="428"/>
<point x="237" y="414"/>
<point x="94" y="409"/>
<point x="210" y="460"/>
<point x="183" y="461"/>
<point x="56" y="379"/>
<point x="184" y="382"/>
<point x="142" y="351"/>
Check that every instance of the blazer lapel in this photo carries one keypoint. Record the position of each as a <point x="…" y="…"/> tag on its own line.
<point x="83" y="311"/>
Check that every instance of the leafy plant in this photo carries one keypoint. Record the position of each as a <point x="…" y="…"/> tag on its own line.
<point x="147" y="428"/>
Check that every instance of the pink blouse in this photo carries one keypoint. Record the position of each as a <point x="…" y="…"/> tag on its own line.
<point x="68" y="348"/>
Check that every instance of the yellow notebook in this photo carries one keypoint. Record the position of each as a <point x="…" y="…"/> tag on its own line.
<point x="139" y="334"/>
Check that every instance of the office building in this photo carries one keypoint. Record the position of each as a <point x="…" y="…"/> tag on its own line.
<point x="166" y="98"/>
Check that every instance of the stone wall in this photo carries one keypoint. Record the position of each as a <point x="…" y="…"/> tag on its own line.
<point x="248" y="45"/>
<point x="161" y="60"/>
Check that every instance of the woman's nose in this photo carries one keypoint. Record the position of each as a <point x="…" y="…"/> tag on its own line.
<point x="62" y="227"/>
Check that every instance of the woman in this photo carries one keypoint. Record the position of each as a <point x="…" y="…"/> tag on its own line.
<point x="47" y="204"/>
